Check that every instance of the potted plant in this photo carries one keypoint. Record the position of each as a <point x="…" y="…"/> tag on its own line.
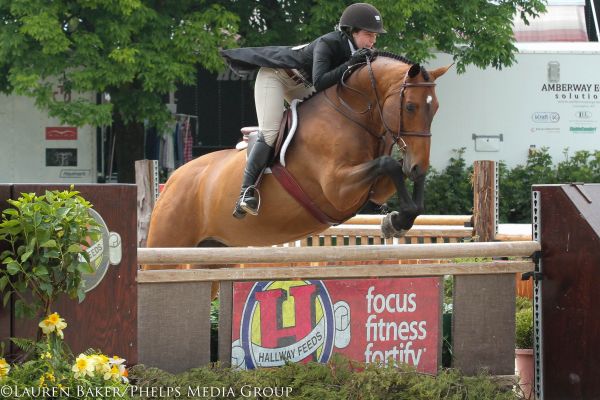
<point x="524" y="345"/>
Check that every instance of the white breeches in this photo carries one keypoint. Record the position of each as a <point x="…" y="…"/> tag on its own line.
<point x="272" y="87"/>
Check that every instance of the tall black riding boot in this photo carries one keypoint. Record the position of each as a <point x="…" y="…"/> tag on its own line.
<point x="257" y="161"/>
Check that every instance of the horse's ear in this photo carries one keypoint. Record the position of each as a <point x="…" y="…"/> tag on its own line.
<point x="414" y="70"/>
<point x="436" y="73"/>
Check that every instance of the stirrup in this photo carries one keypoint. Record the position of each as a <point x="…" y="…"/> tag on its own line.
<point x="245" y="206"/>
<point x="238" y="212"/>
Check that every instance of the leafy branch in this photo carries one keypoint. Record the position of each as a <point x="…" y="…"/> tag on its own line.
<point x="47" y="237"/>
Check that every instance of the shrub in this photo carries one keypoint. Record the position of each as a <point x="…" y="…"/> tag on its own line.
<point x="524" y="324"/>
<point x="450" y="191"/>
<point x="46" y="237"/>
<point x="338" y="379"/>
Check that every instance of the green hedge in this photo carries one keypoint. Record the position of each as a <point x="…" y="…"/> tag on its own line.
<point x="339" y="379"/>
<point x="450" y="192"/>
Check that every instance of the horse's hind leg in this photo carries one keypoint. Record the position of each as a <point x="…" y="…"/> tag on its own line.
<point x="213" y="243"/>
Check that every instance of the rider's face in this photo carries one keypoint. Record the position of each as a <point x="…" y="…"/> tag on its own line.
<point x="364" y="39"/>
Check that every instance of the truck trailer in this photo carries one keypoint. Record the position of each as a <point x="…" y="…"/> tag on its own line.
<point x="549" y="98"/>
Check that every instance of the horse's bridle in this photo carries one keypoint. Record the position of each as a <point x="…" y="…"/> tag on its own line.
<point x="396" y="137"/>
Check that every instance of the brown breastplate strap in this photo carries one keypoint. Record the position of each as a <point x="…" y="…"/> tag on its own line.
<point x="285" y="178"/>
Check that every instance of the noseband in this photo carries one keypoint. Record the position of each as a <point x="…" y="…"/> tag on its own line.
<point x="395" y="136"/>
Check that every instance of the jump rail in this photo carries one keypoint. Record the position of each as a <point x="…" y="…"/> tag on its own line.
<point x="214" y="257"/>
<point x="460" y="220"/>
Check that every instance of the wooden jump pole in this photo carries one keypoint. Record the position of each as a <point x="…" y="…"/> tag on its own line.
<point x="332" y="272"/>
<point x="237" y="255"/>
<point x="460" y="220"/>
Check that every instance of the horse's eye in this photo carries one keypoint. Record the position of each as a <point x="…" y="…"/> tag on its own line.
<point x="411" y="107"/>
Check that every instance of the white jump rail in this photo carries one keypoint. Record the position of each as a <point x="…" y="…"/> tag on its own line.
<point x="213" y="258"/>
<point x="369" y="219"/>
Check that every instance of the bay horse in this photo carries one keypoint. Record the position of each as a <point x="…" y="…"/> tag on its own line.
<point x="340" y="156"/>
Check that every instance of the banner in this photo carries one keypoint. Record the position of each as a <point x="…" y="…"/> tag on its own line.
<point x="368" y="320"/>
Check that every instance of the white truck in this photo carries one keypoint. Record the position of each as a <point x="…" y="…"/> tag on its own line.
<point x="36" y="148"/>
<point x="550" y="98"/>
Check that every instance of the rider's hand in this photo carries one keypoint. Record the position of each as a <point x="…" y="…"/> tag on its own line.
<point x="360" y="56"/>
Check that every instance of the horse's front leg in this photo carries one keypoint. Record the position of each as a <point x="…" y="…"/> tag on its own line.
<point x="397" y="223"/>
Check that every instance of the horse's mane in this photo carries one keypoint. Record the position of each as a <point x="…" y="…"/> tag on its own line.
<point x="403" y="59"/>
<point x="389" y="54"/>
<point x="394" y="56"/>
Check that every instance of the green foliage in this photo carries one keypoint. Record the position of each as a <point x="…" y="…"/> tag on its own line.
<point x="451" y="192"/>
<point x="46" y="257"/>
<point x="524" y="324"/>
<point x="475" y="32"/>
<point x="338" y="379"/>
<point x="450" y="189"/>
<point x="132" y="50"/>
<point x="137" y="51"/>
<point x="523" y="303"/>
<point x="515" y="184"/>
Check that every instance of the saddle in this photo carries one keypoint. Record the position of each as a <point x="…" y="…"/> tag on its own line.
<point x="287" y="129"/>
<point x="276" y="166"/>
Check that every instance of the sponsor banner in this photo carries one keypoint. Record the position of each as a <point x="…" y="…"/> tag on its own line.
<point x="368" y="320"/>
<point x="61" y="133"/>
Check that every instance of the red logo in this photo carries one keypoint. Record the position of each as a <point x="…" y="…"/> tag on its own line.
<point x="61" y="133"/>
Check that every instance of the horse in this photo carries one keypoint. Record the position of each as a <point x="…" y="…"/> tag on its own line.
<point x="340" y="156"/>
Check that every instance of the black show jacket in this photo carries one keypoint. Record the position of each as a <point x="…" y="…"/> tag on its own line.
<point x="324" y="60"/>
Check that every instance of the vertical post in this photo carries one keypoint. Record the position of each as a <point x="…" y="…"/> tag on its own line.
<point x="146" y="179"/>
<point x="483" y="318"/>
<point x="225" y="322"/>
<point x="484" y="200"/>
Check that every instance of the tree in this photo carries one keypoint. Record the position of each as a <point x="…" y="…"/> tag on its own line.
<point x="476" y="32"/>
<point x="130" y="51"/>
<point x="135" y="52"/>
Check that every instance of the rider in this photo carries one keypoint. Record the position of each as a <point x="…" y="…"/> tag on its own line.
<point x="288" y="73"/>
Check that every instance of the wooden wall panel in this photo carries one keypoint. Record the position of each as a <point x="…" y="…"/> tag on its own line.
<point x="5" y="313"/>
<point x="107" y="318"/>
<point x="570" y="229"/>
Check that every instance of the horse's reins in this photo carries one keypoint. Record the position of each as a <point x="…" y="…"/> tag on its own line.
<point x="396" y="138"/>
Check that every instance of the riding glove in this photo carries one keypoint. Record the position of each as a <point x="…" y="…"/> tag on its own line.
<point x="360" y="56"/>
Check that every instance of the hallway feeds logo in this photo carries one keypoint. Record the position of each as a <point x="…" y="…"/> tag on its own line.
<point x="300" y="320"/>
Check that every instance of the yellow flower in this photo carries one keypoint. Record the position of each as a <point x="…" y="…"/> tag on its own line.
<point x="120" y="364"/>
<point x="53" y="323"/>
<point x="50" y="376"/>
<point x="101" y="363"/>
<point x="46" y="355"/>
<point x="83" y="366"/>
<point x="113" y="374"/>
<point x="4" y="368"/>
<point x="41" y="382"/>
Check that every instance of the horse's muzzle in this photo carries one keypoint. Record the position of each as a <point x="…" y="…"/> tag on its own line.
<point x="411" y="171"/>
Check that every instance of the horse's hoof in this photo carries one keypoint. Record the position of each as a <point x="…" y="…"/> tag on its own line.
<point x="400" y="233"/>
<point x="387" y="228"/>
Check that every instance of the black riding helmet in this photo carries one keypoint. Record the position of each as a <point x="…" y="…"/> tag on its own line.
<point x="362" y="16"/>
